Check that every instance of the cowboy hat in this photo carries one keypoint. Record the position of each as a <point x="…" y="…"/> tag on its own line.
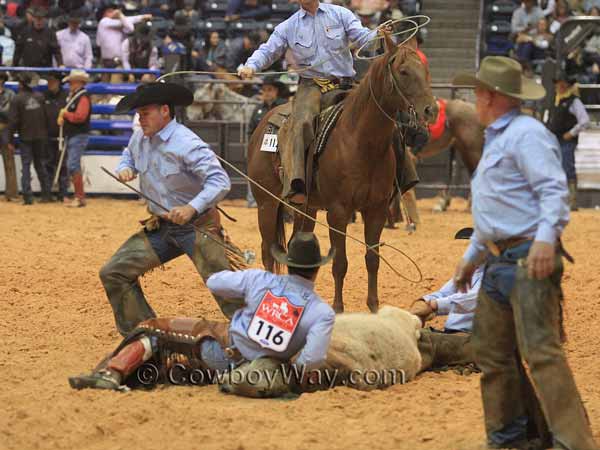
<point x="464" y="233"/>
<point x="504" y="75"/>
<point x="77" y="75"/>
<point x="274" y="80"/>
<point x="156" y="93"/>
<point x="304" y="252"/>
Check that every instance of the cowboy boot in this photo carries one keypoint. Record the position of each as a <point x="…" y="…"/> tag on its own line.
<point x="103" y="379"/>
<point x="445" y="350"/>
<point x="79" y="200"/>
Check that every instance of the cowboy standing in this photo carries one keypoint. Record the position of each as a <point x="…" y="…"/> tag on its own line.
<point x="28" y="119"/>
<point x="36" y="45"/>
<point x="520" y="210"/>
<point x="55" y="99"/>
<point x="317" y="34"/>
<point x="11" y="191"/>
<point x="567" y="119"/>
<point x="178" y="170"/>
<point x="75" y="120"/>
<point x="282" y="315"/>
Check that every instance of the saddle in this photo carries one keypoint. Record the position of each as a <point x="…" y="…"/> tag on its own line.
<point x="332" y="104"/>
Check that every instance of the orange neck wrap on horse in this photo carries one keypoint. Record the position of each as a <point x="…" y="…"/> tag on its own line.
<point x="437" y="128"/>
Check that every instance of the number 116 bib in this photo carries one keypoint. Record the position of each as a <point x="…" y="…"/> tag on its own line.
<point x="274" y="322"/>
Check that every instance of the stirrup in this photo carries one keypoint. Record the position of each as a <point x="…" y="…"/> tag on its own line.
<point x="102" y="379"/>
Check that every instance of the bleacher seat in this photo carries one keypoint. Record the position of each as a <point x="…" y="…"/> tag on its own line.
<point x="206" y="26"/>
<point x="242" y="26"/>
<point x="270" y="25"/>
<point x="215" y="8"/>
<point x="498" y="27"/>
<point x="500" y="10"/>
<point x="283" y="10"/>
<point x="161" y="26"/>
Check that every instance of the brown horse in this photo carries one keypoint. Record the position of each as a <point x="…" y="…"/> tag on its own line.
<point x="463" y="132"/>
<point x="356" y="169"/>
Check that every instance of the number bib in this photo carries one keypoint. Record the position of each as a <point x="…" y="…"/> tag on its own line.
<point x="269" y="143"/>
<point x="274" y="322"/>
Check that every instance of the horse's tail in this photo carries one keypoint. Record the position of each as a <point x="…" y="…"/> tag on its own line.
<point x="280" y="234"/>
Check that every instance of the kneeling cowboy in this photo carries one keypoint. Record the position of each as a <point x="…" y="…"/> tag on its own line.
<point x="315" y="33"/>
<point x="282" y="315"/>
<point x="178" y="170"/>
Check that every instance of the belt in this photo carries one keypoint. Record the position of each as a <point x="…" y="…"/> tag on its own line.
<point x="334" y="80"/>
<point x="499" y="247"/>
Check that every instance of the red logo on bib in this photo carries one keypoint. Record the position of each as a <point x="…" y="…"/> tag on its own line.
<point x="279" y="311"/>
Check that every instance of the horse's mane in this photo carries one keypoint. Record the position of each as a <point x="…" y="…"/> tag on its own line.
<point x="358" y="99"/>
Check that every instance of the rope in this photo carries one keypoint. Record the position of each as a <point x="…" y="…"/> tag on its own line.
<point x="350" y="46"/>
<point x="330" y="228"/>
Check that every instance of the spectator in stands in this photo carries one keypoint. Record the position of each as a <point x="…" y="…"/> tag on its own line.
<point x="7" y="44"/>
<point x="75" y="45"/>
<point x="22" y="25"/>
<point x="561" y="13"/>
<point x="28" y="119"/>
<point x="188" y="10"/>
<point x="55" y="99"/>
<point x="567" y="119"/>
<point x="113" y="28"/>
<point x="8" y="156"/>
<point x="156" y="8"/>
<point x="248" y="9"/>
<point x="391" y="11"/>
<point x="240" y="49"/>
<point x="183" y="33"/>
<point x="37" y="44"/>
<point x="73" y="6"/>
<point x="547" y="6"/>
<point x="526" y="17"/>
<point x="535" y="45"/>
<point x="75" y="120"/>
<point x="139" y="51"/>
<point x="589" y="4"/>
<point x="212" y="55"/>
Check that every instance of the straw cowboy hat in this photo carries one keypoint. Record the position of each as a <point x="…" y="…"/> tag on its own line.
<point x="304" y="252"/>
<point x="504" y="75"/>
<point x="77" y="75"/>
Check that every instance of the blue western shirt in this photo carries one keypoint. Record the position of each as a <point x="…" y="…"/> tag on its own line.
<point x="458" y="306"/>
<point x="313" y="331"/>
<point x="313" y="39"/>
<point x="519" y="187"/>
<point x="176" y="168"/>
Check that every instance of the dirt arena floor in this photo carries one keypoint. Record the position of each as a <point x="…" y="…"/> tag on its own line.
<point x="57" y="322"/>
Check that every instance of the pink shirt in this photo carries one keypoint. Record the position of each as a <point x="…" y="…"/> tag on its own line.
<point x="112" y="33"/>
<point x="76" y="48"/>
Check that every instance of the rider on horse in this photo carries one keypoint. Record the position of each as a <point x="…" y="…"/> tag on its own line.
<point x="317" y="36"/>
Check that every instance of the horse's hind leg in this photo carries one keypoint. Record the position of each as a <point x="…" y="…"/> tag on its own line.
<point x="337" y="217"/>
<point x="374" y="219"/>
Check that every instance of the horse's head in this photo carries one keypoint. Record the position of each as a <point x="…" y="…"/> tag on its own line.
<point x="407" y="82"/>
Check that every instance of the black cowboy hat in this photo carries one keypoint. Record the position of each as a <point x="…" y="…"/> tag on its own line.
<point x="156" y="93"/>
<point x="564" y="76"/>
<point x="100" y="11"/>
<point x="304" y="252"/>
<point x="464" y="233"/>
<point x="274" y="80"/>
<point x="74" y="16"/>
<point x="55" y="75"/>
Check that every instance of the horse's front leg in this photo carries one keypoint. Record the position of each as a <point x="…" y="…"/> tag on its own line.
<point x="337" y="217"/>
<point x="374" y="219"/>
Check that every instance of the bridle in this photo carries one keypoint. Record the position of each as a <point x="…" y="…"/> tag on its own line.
<point x="411" y="111"/>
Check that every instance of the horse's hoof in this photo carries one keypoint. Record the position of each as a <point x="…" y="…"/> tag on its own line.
<point x="338" y="309"/>
<point x="391" y="227"/>
<point x="373" y="306"/>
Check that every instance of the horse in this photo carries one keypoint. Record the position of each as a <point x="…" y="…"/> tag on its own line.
<point x="462" y="133"/>
<point x="357" y="168"/>
<point x="239" y="111"/>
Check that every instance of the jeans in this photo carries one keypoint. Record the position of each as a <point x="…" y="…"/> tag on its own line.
<point x="500" y="273"/>
<point x="34" y="151"/>
<point x="568" y="158"/>
<point x="213" y="355"/>
<point x="76" y="145"/>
